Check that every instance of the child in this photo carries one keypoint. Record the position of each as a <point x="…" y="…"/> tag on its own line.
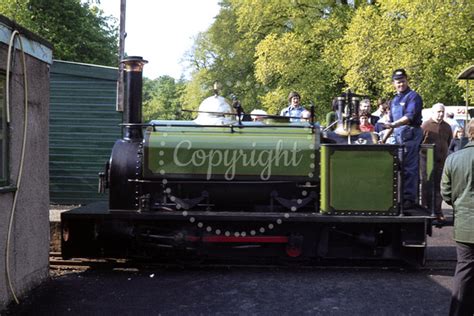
<point x="455" y="144"/>
<point x="365" y="125"/>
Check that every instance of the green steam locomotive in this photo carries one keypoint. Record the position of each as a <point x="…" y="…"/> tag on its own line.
<point x="219" y="187"/>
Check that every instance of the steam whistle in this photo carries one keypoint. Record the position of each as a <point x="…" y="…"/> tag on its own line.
<point x="348" y="115"/>
<point x="216" y="88"/>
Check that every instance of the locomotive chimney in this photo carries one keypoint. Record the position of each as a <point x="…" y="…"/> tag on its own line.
<point x="133" y="67"/>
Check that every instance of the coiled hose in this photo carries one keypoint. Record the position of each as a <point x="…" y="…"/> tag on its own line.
<point x="15" y="33"/>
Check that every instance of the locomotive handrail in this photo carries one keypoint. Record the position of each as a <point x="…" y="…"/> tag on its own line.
<point x="329" y="126"/>
<point x="231" y="126"/>
<point x="236" y="114"/>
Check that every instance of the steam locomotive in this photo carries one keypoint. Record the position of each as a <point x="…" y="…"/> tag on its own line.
<point x="220" y="187"/>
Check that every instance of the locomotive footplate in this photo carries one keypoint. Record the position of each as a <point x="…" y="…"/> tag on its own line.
<point x="94" y="231"/>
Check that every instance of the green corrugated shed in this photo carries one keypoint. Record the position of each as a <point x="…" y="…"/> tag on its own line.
<point x="83" y="128"/>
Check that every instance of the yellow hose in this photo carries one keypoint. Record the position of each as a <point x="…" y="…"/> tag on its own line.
<point x="20" y="170"/>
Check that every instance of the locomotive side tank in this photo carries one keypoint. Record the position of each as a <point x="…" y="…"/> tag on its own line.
<point x="222" y="164"/>
<point x="218" y="187"/>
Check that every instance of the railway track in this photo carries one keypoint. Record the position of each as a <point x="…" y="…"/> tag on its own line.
<point x="57" y="263"/>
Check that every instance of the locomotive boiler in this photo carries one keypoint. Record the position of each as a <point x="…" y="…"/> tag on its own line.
<point x="218" y="187"/>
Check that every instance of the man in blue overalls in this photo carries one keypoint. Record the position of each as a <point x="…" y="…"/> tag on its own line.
<point x="405" y="117"/>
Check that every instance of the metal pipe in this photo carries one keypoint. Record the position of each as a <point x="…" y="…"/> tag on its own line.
<point x="121" y="52"/>
<point x="467" y="109"/>
<point x="434" y="177"/>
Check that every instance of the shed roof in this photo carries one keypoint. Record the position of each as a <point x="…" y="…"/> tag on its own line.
<point x="84" y="70"/>
<point x="33" y="44"/>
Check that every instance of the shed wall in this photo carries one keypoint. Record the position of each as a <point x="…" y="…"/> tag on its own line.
<point x="83" y="128"/>
<point x="29" y="236"/>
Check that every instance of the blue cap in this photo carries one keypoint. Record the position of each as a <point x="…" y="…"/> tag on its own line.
<point x="399" y="74"/>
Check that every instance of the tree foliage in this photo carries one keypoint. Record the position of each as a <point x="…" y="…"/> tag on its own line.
<point x="162" y="99"/>
<point x="302" y="58"/>
<point x="273" y="47"/>
<point x="222" y="54"/>
<point x="78" y="31"/>
<point x="264" y="49"/>
<point x="432" y="40"/>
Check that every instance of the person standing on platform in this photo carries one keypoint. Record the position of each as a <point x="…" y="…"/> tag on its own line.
<point x="294" y="109"/>
<point x="457" y="189"/>
<point x="437" y="132"/>
<point x="451" y="121"/>
<point x="456" y="141"/>
<point x="364" y="107"/>
<point x="365" y="125"/>
<point x="380" y="107"/>
<point x="405" y="117"/>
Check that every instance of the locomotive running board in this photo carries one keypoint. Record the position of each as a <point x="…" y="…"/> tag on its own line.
<point x="100" y="209"/>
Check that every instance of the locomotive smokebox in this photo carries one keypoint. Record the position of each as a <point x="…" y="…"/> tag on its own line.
<point x="133" y="97"/>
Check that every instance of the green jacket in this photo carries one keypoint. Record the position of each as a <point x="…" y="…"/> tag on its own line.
<point x="457" y="189"/>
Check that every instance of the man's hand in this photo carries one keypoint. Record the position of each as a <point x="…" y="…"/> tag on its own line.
<point x="402" y="121"/>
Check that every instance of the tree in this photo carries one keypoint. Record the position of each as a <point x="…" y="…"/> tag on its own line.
<point x="78" y="31"/>
<point x="264" y="49"/>
<point x="433" y="40"/>
<point x="162" y="99"/>
<point x="222" y="54"/>
<point x="261" y="50"/>
<point x="304" y="56"/>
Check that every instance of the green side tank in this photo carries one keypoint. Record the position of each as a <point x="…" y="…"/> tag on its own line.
<point x="202" y="161"/>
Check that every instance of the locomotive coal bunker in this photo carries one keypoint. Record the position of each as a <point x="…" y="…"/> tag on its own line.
<point x="217" y="187"/>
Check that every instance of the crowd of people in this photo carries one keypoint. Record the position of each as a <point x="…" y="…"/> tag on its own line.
<point x="453" y="170"/>
<point x="399" y="121"/>
<point x="400" y="117"/>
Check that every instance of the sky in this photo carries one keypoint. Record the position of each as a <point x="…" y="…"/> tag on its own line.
<point x="162" y="31"/>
